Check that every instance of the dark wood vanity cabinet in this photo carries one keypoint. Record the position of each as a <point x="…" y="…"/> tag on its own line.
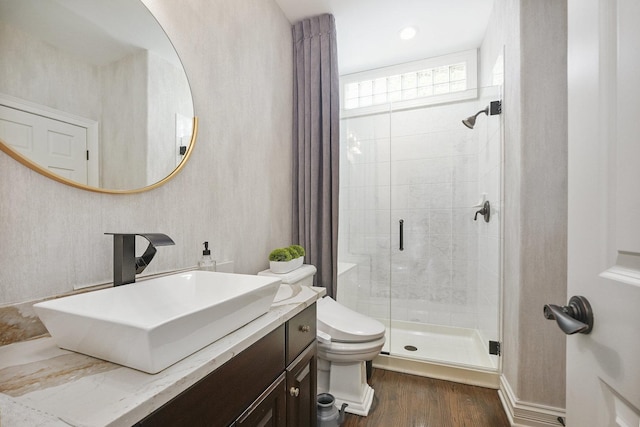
<point x="301" y="369"/>
<point x="272" y="383"/>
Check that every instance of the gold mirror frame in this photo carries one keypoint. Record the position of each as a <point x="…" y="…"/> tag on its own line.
<point x="42" y="171"/>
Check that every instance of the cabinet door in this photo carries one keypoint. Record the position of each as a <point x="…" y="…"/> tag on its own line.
<point x="302" y="389"/>
<point x="219" y="398"/>
<point x="269" y="410"/>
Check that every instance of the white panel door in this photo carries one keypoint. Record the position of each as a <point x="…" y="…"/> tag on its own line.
<point x="55" y="145"/>
<point x="603" y="367"/>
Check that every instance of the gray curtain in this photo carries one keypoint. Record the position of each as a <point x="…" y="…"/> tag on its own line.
<point x="316" y="146"/>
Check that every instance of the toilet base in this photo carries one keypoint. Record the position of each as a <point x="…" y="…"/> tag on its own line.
<point x="347" y="382"/>
<point x="361" y="407"/>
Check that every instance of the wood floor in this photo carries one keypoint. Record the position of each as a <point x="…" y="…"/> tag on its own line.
<point x="403" y="400"/>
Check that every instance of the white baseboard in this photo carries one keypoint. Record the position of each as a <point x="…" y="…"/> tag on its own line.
<point x="524" y="414"/>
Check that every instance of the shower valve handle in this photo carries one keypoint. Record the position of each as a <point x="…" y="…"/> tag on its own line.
<point x="485" y="211"/>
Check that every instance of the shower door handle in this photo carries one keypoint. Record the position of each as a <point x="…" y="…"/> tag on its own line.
<point x="402" y="234"/>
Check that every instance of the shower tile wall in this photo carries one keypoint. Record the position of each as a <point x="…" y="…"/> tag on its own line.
<point x="421" y="166"/>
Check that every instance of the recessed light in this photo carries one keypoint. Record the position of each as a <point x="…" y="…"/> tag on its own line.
<point x="408" y="33"/>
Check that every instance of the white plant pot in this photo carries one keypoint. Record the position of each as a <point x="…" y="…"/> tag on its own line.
<point x="281" y="267"/>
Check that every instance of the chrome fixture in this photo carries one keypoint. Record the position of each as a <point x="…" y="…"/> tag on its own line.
<point x="494" y="107"/>
<point x="125" y="263"/>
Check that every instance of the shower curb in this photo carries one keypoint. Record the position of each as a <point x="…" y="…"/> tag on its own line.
<point x="458" y="374"/>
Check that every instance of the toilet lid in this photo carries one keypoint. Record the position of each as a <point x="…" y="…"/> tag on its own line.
<point x="346" y="325"/>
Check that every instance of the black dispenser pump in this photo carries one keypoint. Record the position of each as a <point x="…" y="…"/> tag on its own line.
<point x="206" y="249"/>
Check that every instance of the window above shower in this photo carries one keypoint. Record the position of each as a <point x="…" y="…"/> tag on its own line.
<point x="414" y="84"/>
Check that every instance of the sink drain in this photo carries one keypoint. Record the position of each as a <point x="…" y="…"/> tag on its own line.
<point x="410" y="348"/>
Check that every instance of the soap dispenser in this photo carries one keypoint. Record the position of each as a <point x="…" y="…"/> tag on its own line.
<point x="206" y="263"/>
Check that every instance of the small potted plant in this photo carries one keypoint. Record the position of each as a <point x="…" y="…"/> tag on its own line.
<point x="284" y="260"/>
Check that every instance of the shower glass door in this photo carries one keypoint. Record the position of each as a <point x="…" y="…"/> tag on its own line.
<point x="364" y="240"/>
<point x="410" y="252"/>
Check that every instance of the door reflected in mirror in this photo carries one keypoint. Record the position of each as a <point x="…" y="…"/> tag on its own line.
<point x="93" y="92"/>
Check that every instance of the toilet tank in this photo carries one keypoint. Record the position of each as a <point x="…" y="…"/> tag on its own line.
<point x="302" y="275"/>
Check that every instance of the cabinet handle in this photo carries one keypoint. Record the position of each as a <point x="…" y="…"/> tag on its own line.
<point x="305" y="328"/>
<point x="294" y="391"/>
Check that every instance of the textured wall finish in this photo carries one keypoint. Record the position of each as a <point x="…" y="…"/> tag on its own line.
<point x="235" y="192"/>
<point x="543" y="198"/>
<point x="531" y="32"/>
<point x="124" y="120"/>
<point x="165" y="101"/>
<point x="73" y="85"/>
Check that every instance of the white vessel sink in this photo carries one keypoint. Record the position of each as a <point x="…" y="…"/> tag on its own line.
<point x="152" y="324"/>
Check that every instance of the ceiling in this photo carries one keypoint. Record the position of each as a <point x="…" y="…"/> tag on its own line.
<point x="368" y="30"/>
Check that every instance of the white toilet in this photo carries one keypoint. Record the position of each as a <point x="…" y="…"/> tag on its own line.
<point x="346" y="340"/>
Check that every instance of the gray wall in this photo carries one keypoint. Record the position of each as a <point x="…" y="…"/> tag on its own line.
<point x="533" y="33"/>
<point x="124" y="118"/>
<point x="73" y="85"/>
<point x="543" y="199"/>
<point x="235" y="192"/>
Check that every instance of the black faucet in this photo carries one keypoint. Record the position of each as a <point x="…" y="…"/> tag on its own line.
<point x="125" y="263"/>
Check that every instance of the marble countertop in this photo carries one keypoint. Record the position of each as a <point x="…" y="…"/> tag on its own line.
<point x="43" y="385"/>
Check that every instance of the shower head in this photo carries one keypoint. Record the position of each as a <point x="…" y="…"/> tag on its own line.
<point x="494" y="107"/>
<point x="470" y="121"/>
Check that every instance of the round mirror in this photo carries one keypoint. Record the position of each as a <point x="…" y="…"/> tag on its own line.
<point x="93" y="94"/>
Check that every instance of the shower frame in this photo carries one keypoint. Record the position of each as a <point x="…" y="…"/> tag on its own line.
<point x="370" y="290"/>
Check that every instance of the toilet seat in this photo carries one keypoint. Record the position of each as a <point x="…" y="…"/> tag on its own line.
<point x="348" y="352"/>
<point x="346" y="325"/>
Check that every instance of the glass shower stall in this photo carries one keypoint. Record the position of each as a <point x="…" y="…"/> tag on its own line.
<point x="416" y="250"/>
